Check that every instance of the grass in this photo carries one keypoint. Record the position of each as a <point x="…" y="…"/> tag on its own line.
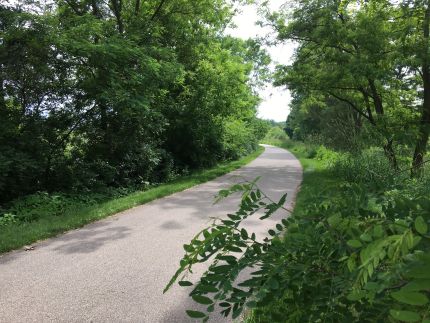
<point x="316" y="179"/>
<point x="16" y="235"/>
<point x="340" y="185"/>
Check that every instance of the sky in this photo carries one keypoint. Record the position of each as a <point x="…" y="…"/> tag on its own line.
<point x="275" y="105"/>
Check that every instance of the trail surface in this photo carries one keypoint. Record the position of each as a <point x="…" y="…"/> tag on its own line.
<point x="115" y="270"/>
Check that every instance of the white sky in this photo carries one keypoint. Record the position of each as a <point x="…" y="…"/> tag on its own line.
<point x="275" y="105"/>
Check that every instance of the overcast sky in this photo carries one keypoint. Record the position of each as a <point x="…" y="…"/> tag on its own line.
<point x="276" y="100"/>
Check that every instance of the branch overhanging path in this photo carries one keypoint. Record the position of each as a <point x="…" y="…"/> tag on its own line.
<point x="115" y="270"/>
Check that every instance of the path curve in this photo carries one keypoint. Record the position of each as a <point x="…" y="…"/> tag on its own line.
<point x="114" y="270"/>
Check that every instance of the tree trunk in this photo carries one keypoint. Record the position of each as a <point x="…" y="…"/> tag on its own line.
<point x="137" y="7"/>
<point x="116" y="7"/>
<point x="391" y="155"/>
<point x="2" y="96"/>
<point x="377" y="101"/>
<point x="379" y="109"/>
<point x="424" y="131"/>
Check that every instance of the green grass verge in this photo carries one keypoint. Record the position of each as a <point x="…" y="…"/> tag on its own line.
<point x="316" y="179"/>
<point x="16" y="235"/>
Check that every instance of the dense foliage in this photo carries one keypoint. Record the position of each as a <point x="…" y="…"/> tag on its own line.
<point x="98" y="94"/>
<point x="350" y="251"/>
<point x="360" y="76"/>
<point x="357" y="246"/>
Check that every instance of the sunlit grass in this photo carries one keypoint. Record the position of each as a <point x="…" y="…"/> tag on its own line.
<point x="16" y="235"/>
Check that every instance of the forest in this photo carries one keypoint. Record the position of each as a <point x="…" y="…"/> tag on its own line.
<point x="101" y="101"/>
<point x="103" y="98"/>
<point x="356" y="247"/>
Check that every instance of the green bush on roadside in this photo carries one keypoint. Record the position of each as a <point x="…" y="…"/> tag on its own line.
<point x="356" y="248"/>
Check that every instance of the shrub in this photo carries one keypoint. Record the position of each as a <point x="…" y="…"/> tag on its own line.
<point x="326" y="155"/>
<point x="352" y="257"/>
<point x="370" y="167"/>
<point x="7" y="218"/>
<point x="238" y="139"/>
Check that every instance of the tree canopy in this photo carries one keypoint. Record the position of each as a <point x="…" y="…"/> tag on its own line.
<point x="100" y="93"/>
<point x="366" y="62"/>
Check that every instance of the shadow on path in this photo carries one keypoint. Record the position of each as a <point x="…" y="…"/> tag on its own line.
<point x="91" y="238"/>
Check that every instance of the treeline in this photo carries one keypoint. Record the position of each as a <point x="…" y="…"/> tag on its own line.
<point x="361" y="75"/>
<point x="356" y="247"/>
<point x="116" y="93"/>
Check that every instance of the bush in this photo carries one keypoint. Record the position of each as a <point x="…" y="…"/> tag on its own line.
<point x="238" y="140"/>
<point x="276" y="133"/>
<point x="7" y="218"/>
<point x="348" y="253"/>
<point x="326" y="155"/>
<point x="45" y="205"/>
<point x="370" y="167"/>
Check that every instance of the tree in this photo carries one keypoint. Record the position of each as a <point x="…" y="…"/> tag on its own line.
<point x="115" y="93"/>
<point x="337" y="58"/>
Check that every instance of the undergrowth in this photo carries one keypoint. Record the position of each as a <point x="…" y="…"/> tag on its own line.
<point x="43" y="215"/>
<point x="355" y="249"/>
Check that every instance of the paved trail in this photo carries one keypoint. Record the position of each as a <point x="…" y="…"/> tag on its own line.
<point x="115" y="270"/>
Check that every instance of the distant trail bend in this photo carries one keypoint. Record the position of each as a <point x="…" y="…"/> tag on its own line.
<point x="115" y="270"/>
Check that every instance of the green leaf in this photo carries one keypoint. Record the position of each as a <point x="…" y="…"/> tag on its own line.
<point x="251" y="304"/>
<point x="371" y="286"/>
<point x="334" y="220"/>
<point x="188" y="248"/>
<point x="258" y="193"/>
<point x="214" y="278"/>
<point x="272" y="232"/>
<point x="195" y="314"/>
<point x="221" y="269"/>
<point x="250" y="282"/>
<point x="419" y="272"/>
<point x="237" y="312"/>
<point x="417" y="285"/>
<point x="405" y="316"/>
<point x="283" y="199"/>
<point x="233" y="217"/>
<point x="273" y="283"/>
<point x="351" y="264"/>
<point x="207" y="288"/>
<point x="228" y="259"/>
<point x="378" y="231"/>
<point x="366" y="237"/>
<point x="421" y="225"/>
<point x="354" y="244"/>
<point x="233" y="249"/>
<point x="202" y="299"/>
<point x="411" y="298"/>
<point x="224" y="193"/>
<point x="206" y="234"/>
<point x="185" y="283"/>
<point x="370" y="270"/>
<point x="244" y="234"/>
<point x="279" y="227"/>
<point x="356" y="295"/>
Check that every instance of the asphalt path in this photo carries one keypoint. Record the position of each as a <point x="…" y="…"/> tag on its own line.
<point x="114" y="270"/>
